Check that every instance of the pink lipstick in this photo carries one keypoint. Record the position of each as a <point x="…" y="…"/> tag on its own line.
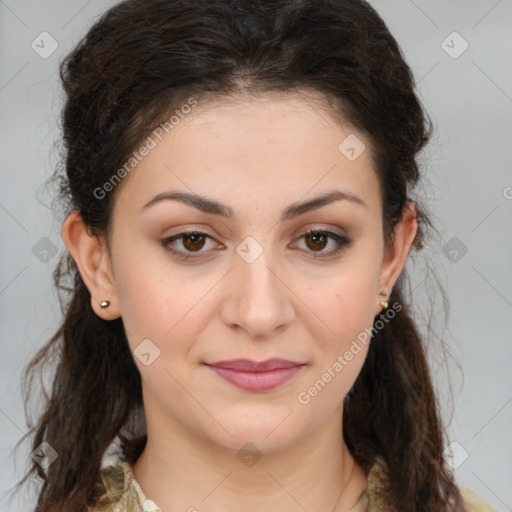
<point x="256" y="376"/>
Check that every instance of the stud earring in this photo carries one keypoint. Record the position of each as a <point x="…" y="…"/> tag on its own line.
<point x="384" y="303"/>
<point x="105" y="304"/>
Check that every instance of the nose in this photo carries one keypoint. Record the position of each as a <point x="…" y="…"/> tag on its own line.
<point x="259" y="298"/>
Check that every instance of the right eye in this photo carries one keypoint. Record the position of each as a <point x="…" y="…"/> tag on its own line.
<point x="191" y="242"/>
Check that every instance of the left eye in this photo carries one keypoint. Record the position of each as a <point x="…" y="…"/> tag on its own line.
<point x="316" y="241"/>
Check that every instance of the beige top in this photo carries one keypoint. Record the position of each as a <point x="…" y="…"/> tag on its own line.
<point x="122" y="493"/>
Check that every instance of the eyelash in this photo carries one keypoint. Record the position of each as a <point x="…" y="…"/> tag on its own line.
<point x="342" y="241"/>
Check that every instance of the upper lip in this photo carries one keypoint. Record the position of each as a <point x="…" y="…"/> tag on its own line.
<point x="247" y="365"/>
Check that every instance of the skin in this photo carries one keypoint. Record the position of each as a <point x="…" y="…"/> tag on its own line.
<point x="257" y="156"/>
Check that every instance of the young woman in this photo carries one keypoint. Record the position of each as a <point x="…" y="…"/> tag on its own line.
<point x="239" y="180"/>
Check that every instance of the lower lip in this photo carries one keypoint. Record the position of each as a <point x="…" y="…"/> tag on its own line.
<point x="257" y="381"/>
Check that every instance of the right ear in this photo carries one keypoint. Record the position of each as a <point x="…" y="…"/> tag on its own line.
<point x="93" y="261"/>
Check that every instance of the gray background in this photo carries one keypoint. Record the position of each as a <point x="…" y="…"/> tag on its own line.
<point x="468" y="187"/>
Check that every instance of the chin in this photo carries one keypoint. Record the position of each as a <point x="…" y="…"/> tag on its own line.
<point x="266" y="434"/>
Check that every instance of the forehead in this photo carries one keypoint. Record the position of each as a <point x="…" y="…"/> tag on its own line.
<point x="275" y="147"/>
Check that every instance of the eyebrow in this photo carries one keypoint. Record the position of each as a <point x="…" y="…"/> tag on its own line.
<point x="294" y="210"/>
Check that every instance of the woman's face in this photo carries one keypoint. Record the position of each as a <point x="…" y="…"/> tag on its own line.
<point x="252" y="284"/>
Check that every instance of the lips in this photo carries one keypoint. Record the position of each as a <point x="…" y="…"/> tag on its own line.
<point x="254" y="375"/>
<point x="246" y="365"/>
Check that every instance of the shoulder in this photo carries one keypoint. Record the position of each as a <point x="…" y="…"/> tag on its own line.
<point x="110" y="487"/>
<point x="378" y="496"/>
<point x="120" y="492"/>
<point x="474" y="502"/>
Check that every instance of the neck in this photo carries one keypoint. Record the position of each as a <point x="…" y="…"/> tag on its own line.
<point x="181" y="471"/>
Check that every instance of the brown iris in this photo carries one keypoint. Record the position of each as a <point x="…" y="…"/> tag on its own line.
<point x="319" y="240"/>
<point x="197" y="241"/>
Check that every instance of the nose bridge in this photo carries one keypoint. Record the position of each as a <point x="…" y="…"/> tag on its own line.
<point x="255" y="271"/>
<point x="261" y="301"/>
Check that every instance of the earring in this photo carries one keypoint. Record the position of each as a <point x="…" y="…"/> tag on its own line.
<point x="105" y="304"/>
<point x="384" y="303"/>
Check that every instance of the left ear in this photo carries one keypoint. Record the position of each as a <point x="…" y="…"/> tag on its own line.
<point x="395" y="256"/>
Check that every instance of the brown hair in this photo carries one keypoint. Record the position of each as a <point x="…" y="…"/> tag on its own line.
<point x="140" y="61"/>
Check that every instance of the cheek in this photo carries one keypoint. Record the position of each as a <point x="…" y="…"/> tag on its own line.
<point x="344" y="304"/>
<point x="162" y="308"/>
<point x="346" y="307"/>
